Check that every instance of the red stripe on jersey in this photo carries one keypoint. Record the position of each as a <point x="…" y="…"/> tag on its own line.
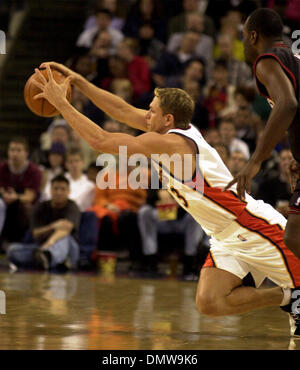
<point x="225" y="199"/>
<point x="282" y="65"/>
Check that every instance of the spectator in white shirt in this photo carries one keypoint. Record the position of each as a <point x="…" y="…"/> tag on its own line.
<point x="228" y="137"/>
<point x="82" y="190"/>
<point x="104" y="19"/>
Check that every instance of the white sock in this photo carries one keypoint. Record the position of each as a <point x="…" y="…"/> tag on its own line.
<point x="286" y="296"/>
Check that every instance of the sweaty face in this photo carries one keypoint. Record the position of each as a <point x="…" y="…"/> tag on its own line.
<point x="155" y="116"/>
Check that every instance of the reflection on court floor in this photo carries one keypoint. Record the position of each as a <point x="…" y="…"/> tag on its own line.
<point x="82" y="311"/>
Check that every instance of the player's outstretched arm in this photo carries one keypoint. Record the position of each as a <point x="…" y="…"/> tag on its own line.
<point x="95" y="136"/>
<point x="111" y="104"/>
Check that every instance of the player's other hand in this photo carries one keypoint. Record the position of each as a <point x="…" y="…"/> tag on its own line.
<point x="243" y="179"/>
<point x="293" y="173"/>
<point x="67" y="72"/>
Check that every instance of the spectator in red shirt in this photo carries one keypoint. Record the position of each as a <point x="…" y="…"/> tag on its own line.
<point x="20" y="182"/>
<point x="138" y="71"/>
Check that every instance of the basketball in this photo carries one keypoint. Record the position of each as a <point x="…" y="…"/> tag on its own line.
<point x="42" y="107"/>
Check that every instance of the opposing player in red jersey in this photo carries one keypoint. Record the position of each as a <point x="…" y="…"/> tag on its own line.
<point x="277" y="74"/>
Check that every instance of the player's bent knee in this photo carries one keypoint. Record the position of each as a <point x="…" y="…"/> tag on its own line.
<point x="207" y="305"/>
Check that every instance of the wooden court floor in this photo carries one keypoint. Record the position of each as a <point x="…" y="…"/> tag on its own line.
<point x="89" y="311"/>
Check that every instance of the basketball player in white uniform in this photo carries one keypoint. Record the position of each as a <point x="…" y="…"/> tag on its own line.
<point x="247" y="236"/>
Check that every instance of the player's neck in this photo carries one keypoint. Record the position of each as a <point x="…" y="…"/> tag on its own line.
<point x="268" y="44"/>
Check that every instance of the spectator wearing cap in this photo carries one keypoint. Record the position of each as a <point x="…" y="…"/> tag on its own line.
<point x="58" y="131"/>
<point x="55" y="166"/>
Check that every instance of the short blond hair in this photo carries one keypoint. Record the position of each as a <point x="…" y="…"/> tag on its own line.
<point x="178" y="103"/>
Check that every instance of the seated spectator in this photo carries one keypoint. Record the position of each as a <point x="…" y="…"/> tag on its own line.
<point x="163" y="215"/>
<point x="172" y="64"/>
<point x="239" y="73"/>
<point x="123" y="88"/>
<point x="88" y="153"/>
<point x="56" y="163"/>
<point x="236" y="163"/>
<point x="248" y="124"/>
<point x="111" y="202"/>
<point x="219" y="94"/>
<point x="178" y="23"/>
<point x="86" y="107"/>
<point x="84" y="62"/>
<point x="142" y="12"/>
<point x="212" y="136"/>
<point x="57" y="132"/>
<point x="204" y="48"/>
<point x="138" y="71"/>
<point x="104" y="19"/>
<point x="223" y="152"/>
<point x="111" y="125"/>
<point x="228" y="137"/>
<point x="99" y="54"/>
<point x="194" y="70"/>
<point x="92" y="172"/>
<point x="116" y="70"/>
<point x="20" y="183"/>
<point x="115" y="9"/>
<point x="231" y="26"/>
<point x="201" y="115"/>
<point x="275" y="190"/>
<point x="54" y="227"/>
<point x="82" y="190"/>
<point x="151" y="48"/>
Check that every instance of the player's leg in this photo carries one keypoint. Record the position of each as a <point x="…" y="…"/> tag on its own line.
<point x="292" y="233"/>
<point x="292" y="229"/>
<point x="221" y="293"/>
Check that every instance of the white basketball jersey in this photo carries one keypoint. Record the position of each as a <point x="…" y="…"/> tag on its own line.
<point x="203" y="197"/>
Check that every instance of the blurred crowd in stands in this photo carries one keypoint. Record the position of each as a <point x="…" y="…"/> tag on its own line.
<point x="52" y="214"/>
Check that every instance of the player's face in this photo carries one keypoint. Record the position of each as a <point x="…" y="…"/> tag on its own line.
<point x="155" y="116"/>
<point x="249" y="50"/>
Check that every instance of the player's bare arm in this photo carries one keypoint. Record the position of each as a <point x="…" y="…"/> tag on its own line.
<point x="271" y="75"/>
<point x="111" y="104"/>
<point x="101" y="140"/>
<point x="281" y="91"/>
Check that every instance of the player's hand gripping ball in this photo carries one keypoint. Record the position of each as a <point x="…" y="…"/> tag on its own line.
<point x="42" y="107"/>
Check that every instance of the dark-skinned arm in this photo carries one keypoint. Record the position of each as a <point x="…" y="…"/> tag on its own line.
<point x="280" y="89"/>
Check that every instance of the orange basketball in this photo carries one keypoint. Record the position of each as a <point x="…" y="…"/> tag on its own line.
<point x="42" y="107"/>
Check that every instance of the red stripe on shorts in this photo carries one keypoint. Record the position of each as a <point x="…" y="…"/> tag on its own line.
<point x="274" y="235"/>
